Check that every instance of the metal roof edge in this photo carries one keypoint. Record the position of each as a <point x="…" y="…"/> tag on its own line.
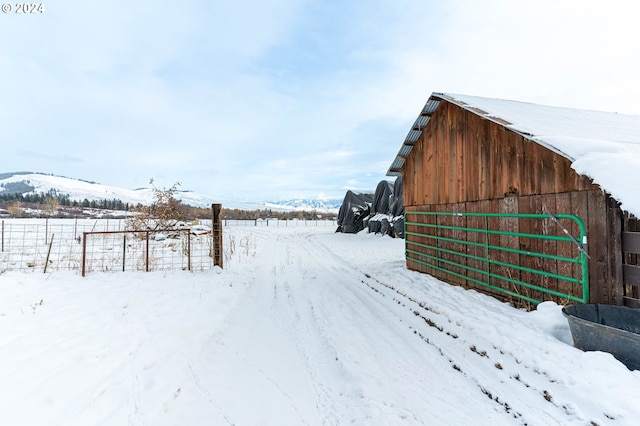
<point x="414" y="134"/>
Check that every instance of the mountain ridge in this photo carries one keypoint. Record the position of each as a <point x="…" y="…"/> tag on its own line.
<point x="79" y="190"/>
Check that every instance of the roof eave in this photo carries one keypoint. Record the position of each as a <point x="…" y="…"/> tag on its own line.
<point x="414" y="135"/>
<point x="430" y="107"/>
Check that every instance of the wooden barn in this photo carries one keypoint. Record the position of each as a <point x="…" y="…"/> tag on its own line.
<point x="525" y="202"/>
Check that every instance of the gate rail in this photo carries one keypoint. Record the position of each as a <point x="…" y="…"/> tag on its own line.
<point x="446" y="253"/>
<point x="143" y="238"/>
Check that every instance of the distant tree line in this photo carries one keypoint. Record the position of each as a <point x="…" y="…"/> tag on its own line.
<point x="52" y="201"/>
<point x="64" y="200"/>
<point x="237" y="214"/>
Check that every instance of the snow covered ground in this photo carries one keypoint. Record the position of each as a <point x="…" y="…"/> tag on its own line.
<point x="303" y="327"/>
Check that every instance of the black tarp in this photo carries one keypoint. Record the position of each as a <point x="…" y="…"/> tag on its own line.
<point x="387" y="210"/>
<point x="398" y="226"/>
<point x="353" y="211"/>
<point x="397" y="208"/>
<point x="382" y="198"/>
<point x="381" y="212"/>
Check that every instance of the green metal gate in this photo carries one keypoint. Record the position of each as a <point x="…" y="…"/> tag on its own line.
<point x="480" y="251"/>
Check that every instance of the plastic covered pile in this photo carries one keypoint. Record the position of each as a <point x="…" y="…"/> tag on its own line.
<point x="380" y="213"/>
<point x="353" y="211"/>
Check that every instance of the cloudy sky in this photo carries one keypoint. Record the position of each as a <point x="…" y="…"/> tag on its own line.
<point x="279" y="99"/>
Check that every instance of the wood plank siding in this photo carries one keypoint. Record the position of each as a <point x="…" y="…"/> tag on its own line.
<point x="464" y="162"/>
<point x="469" y="158"/>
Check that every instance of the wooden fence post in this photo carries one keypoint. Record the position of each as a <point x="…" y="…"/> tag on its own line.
<point x="216" y="230"/>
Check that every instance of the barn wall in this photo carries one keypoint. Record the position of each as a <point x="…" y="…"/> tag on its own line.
<point x="605" y="276"/>
<point x="468" y="158"/>
<point x="466" y="163"/>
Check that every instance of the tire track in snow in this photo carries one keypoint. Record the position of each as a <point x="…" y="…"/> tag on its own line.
<point x="322" y="348"/>
<point x="313" y="338"/>
<point x="259" y="345"/>
<point x="509" y="367"/>
<point x="296" y="313"/>
<point x="513" y="376"/>
<point x="344" y="276"/>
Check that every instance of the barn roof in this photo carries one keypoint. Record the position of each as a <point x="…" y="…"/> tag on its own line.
<point x="602" y="145"/>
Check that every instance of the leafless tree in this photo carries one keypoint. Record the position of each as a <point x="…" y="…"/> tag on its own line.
<point x="165" y="212"/>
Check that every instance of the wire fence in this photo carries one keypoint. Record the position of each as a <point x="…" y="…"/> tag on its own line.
<point x="49" y="245"/>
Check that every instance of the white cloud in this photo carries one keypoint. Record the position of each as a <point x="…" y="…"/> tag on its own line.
<point x="279" y="97"/>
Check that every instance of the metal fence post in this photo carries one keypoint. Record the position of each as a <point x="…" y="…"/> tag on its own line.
<point x="216" y="231"/>
<point x="189" y="249"/>
<point x="84" y="251"/>
<point x="46" y="262"/>
<point x="147" y="254"/>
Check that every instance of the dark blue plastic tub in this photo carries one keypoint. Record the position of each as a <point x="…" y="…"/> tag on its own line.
<point x="607" y="328"/>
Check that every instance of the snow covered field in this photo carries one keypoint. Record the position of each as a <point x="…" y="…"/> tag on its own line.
<point x="303" y="327"/>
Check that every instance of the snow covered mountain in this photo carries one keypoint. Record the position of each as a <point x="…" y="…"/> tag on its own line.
<point x="38" y="183"/>
<point x="77" y="189"/>
<point x="321" y="205"/>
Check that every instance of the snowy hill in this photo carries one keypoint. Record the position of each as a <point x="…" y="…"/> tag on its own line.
<point x="77" y="189"/>
<point x="36" y="183"/>
<point x="323" y="205"/>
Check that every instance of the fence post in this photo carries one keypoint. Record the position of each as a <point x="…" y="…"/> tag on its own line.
<point x="124" y="251"/>
<point x="216" y="230"/>
<point x="3" y="235"/>
<point x="84" y="251"/>
<point x="147" y="255"/>
<point x="46" y="262"/>
<point x="189" y="249"/>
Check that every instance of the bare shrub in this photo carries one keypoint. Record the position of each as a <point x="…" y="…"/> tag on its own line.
<point x="165" y="212"/>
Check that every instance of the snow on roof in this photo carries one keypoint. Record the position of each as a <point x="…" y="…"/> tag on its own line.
<point x="604" y="146"/>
